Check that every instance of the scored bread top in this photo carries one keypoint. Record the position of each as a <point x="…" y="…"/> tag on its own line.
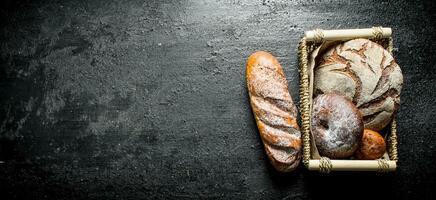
<point x="274" y="110"/>
<point x="367" y="74"/>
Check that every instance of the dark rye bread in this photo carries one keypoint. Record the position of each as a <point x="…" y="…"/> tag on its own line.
<point x="274" y="111"/>
<point x="367" y="74"/>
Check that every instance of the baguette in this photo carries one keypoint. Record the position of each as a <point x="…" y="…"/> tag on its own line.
<point x="274" y="111"/>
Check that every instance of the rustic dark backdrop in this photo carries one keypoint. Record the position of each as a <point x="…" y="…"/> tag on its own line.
<point x="147" y="99"/>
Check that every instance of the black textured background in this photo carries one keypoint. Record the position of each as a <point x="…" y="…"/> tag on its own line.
<point x="147" y="99"/>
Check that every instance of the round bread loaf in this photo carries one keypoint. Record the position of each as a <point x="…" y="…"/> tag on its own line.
<point x="367" y="74"/>
<point x="337" y="125"/>
<point x="371" y="147"/>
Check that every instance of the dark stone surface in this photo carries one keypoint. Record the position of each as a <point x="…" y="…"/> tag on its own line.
<point x="147" y="99"/>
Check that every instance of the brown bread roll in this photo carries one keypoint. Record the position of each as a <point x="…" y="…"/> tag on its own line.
<point x="337" y="125"/>
<point x="372" y="146"/>
<point x="274" y="111"/>
<point x="367" y="74"/>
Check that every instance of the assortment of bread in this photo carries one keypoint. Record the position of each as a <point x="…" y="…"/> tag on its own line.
<point x="356" y="93"/>
<point x="367" y="75"/>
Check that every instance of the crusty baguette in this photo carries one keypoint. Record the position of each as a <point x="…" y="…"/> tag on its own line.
<point x="274" y="111"/>
<point x="367" y="74"/>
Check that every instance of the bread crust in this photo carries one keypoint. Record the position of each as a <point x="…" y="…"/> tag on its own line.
<point x="372" y="146"/>
<point x="274" y="111"/>
<point x="337" y="126"/>
<point x="367" y="74"/>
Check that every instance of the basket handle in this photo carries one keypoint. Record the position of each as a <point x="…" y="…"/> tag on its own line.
<point x="319" y="35"/>
<point x="326" y="165"/>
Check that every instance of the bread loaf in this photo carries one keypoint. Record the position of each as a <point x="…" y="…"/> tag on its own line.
<point x="274" y="111"/>
<point x="372" y="146"/>
<point x="337" y="125"/>
<point x="367" y="74"/>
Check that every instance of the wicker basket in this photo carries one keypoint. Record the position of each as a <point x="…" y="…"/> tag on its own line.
<point x="311" y="158"/>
